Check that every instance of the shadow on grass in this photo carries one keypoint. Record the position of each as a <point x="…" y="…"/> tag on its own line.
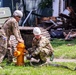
<point x="34" y="64"/>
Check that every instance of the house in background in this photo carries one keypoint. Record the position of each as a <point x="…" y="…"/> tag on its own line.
<point x="56" y="7"/>
<point x="59" y="6"/>
<point x="52" y="9"/>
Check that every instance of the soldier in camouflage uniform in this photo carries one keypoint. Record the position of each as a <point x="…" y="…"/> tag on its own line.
<point x="11" y="27"/>
<point x="41" y="46"/>
<point x="3" y="44"/>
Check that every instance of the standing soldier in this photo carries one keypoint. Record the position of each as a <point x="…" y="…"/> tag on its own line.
<point x="11" y="27"/>
<point x="3" y="44"/>
<point x="41" y="46"/>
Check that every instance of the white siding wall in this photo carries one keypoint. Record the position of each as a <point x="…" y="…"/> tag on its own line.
<point x="61" y="6"/>
<point x="56" y="7"/>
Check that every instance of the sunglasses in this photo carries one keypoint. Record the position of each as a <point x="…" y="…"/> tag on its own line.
<point x="18" y="16"/>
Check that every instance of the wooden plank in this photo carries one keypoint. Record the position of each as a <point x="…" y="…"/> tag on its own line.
<point x="26" y="28"/>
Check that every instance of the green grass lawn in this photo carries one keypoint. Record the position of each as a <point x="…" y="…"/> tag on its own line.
<point x="44" y="70"/>
<point x="61" y="49"/>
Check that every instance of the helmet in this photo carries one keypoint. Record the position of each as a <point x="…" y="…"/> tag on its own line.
<point x="18" y="13"/>
<point x="36" y="31"/>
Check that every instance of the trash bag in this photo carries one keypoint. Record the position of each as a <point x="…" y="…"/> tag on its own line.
<point x="57" y="34"/>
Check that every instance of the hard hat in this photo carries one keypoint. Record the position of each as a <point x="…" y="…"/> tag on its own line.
<point x="36" y="31"/>
<point x="18" y="13"/>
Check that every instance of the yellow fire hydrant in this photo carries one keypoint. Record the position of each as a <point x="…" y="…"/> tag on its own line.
<point x="19" y="53"/>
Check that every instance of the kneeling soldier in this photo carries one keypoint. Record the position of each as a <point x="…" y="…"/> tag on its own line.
<point x="41" y="47"/>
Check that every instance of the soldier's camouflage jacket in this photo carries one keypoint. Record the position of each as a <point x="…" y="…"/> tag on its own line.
<point x="10" y="27"/>
<point x="42" y="47"/>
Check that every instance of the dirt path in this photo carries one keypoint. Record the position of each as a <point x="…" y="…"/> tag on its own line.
<point x="64" y="60"/>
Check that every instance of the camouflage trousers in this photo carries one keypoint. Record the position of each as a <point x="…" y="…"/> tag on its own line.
<point x="3" y="45"/>
<point x="2" y="53"/>
<point x="6" y="50"/>
<point x="12" y="43"/>
<point x="9" y="54"/>
<point x="39" y="54"/>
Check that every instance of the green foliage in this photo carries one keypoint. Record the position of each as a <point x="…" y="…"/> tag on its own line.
<point x="45" y="4"/>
